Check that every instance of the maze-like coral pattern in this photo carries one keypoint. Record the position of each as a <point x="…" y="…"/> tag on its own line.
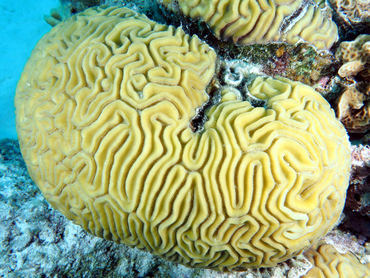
<point x="329" y="263"/>
<point x="260" y="21"/>
<point x="104" y="110"/>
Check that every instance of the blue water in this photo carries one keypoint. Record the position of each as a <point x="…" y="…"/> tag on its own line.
<point x="22" y="25"/>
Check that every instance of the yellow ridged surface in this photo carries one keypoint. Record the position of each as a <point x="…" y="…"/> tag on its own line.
<point x="329" y="263"/>
<point x="262" y="21"/>
<point x="104" y="107"/>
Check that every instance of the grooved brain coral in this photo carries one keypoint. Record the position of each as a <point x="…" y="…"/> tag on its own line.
<point x="103" y="112"/>
<point x="260" y="21"/>
<point x="328" y="263"/>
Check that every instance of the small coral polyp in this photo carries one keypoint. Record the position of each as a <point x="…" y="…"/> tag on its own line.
<point x="258" y="21"/>
<point x="104" y="107"/>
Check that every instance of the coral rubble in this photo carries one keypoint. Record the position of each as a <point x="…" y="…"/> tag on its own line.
<point x="358" y="194"/>
<point x="357" y="209"/>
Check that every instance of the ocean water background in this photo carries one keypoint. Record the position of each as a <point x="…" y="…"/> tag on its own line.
<point x="22" y="25"/>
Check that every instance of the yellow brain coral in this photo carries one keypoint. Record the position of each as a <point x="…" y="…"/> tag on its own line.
<point x="104" y="110"/>
<point x="329" y="263"/>
<point x="260" y="21"/>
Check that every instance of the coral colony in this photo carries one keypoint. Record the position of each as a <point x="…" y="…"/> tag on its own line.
<point x="112" y="93"/>
<point x="151" y="136"/>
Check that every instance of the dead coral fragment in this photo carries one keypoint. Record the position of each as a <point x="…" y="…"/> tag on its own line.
<point x="249" y="21"/>
<point x="356" y="57"/>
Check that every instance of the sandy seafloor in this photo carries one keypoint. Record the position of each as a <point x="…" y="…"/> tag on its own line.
<point x="22" y="25"/>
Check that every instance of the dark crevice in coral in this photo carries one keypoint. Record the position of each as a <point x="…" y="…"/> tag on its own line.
<point x="200" y="118"/>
